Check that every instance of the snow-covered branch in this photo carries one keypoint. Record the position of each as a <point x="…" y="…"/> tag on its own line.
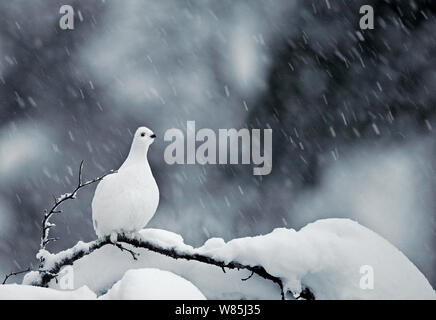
<point x="46" y="224"/>
<point x="323" y="260"/>
<point x="55" y="262"/>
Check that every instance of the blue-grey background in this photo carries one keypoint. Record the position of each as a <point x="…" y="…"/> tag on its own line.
<point x="352" y="112"/>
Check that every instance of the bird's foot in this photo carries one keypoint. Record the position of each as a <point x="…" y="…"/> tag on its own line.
<point x="114" y="237"/>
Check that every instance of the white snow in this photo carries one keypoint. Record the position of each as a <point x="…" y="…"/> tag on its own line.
<point x="23" y="292"/>
<point x="386" y="196"/>
<point x="51" y="259"/>
<point x="139" y="284"/>
<point x="153" y="284"/>
<point x="165" y="239"/>
<point x="325" y="256"/>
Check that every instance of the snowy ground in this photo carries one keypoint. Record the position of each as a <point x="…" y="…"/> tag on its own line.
<point x="325" y="256"/>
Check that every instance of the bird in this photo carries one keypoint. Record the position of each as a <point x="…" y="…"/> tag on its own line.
<point x="125" y="201"/>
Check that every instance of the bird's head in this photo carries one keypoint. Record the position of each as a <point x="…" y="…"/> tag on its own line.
<point x="143" y="137"/>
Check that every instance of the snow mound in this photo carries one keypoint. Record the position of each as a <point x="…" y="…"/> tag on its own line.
<point x="23" y="292"/>
<point x="327" y="256"/>
<point x="153" y="284"/>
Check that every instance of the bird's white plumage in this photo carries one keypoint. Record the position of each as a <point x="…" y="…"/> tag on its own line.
<point x="125" y="201"/>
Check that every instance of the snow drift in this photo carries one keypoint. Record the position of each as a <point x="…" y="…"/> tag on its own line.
<point x="20" y="292"/>
<point x="153" y="284"/>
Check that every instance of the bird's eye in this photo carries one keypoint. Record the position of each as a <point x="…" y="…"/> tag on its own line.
<point x="143" y="134"/>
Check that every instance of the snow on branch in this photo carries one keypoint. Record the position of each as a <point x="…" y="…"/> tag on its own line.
<point x="46" y="224"/>
<point x="55" y="262"/>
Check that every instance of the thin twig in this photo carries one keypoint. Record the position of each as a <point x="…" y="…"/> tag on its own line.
<point x="46" y="225"/>
<point x="14" y="274"/>
<point x="282" y="290"/>
<point x="122" y="248"/>
<point x="245" y="279"/>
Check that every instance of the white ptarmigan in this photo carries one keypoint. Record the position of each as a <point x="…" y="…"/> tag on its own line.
<point x="125" y="201"/>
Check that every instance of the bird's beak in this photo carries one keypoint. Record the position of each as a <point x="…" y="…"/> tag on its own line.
<point x="153" y="136"/>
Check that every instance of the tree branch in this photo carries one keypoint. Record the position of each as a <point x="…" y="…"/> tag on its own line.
<point x="80" y="250"/>
<point x="50" y="270"/>
<point x="122" y="248"/>
<point x="46" y="224"/>
<point x="14" y="274"/>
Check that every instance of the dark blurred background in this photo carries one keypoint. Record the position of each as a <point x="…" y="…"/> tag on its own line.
<point x="352" y="112"/>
